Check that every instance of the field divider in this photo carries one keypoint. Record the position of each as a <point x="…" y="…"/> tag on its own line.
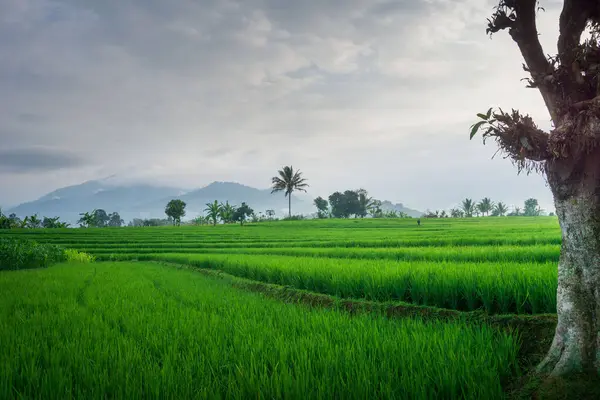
<point x="535" y="332"/>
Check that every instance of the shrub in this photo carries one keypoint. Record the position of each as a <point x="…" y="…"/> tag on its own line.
<point x="78" y="256"/>
<point x="23" y="254"/>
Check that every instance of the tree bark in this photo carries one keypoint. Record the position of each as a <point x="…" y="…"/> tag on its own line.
<point x="575" y="184"/>
<point x="290" y="205"/>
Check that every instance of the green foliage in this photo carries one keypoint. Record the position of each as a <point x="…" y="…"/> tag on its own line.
<point x="226" y="212"/>
<point x="531" y="208"/>
<point x="175" y="209"/>
<point x="486" y="120"/>
<point x="115" y="220"/>
<point x="78" y="256"/>
<point x="241" y="213"/>
<point x="299" y="217"/>
<point x="23" y="254"/>
<point x="322" y="207"/>
<point x="98" y="218"/>
<point x="344" y="205"/>
<point x="213" y="211"/>
<point x="468" y="207"/>
<point x="495" y="287"/>
<point x="123" y="330"/>
<point x="495" y="263"/>
<point x="500" y="210"/>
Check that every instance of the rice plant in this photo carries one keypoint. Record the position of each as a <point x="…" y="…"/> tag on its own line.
<point x="134" y="330"/>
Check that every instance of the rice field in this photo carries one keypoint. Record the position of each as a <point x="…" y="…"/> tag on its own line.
<point x="500" y="265"/>
<point x="134" y="330"/>
<point x="126" y="327"/>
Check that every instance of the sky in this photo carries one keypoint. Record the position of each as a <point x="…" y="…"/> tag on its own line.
<point x="377" y="94"/>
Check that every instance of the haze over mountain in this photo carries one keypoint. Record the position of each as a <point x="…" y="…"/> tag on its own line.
<point x="143" y="200"/>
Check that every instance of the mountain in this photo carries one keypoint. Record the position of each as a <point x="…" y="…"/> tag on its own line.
<point x="236" y="193"/>
<point x="148" y="201"/>
<point x="389" y="206"/>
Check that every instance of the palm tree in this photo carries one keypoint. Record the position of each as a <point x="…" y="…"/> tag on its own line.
<point x="366" y="203"/>
<point x="501" y="209"/>
<point x="468" y="207"/>
<point x="288" y="181"/>
<point x="87" y="219"/>
<point x="34" y="222"/>
<point x="485" y="206"/>
<point x="456" y="213"/>
<point x="213" y="211"/>
<point x="227" y="211"/>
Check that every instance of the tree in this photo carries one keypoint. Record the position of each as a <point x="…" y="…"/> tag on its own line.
<point x="343" y="205"/>
<point x="270" y="214"/>
<point x="322" y="207"/>
<point x="114" y="220"/>
<point x="241" y="213"/>
<point x="50" y="223"/>
<point x="5" y="222"/>
<point x="375" y="211"/>
<point x="531" y="208"/>
<point x="456" y="213"/>
<point x="365" y="203"/>
<point x="485" y="206"/>
<point x="33" y="222"/>
<point x="86" y="220"/>
<point x="336" y="201"/>
<point x="500" y="209"/>
<point x="101" y="218"/>
<point x="468" y="207"/>
<point x="569" y="84"/>
<point x="288" y="181"/>
<point x="213" y="211"/>
<point x="226" y="212"/>
<point x="175" y="210"/>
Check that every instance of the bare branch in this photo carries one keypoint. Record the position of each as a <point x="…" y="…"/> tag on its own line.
<point x="519" y="17"/>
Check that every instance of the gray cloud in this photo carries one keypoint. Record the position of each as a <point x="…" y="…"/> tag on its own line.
<point x="37" y="160"/>
<point x="190" y="91"/>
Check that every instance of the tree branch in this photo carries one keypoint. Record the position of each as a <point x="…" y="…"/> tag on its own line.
<point x="519" y="17"/>
<point x="573" y="21"/>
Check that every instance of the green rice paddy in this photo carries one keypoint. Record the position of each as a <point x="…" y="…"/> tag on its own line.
<point x="129" y="328"/>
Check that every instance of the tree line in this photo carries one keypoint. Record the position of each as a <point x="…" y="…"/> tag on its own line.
<point x="353" y="203"/>
<point x="486" y="207"/>
<point x="350" y="203"/>
<point x="12" y="222"/>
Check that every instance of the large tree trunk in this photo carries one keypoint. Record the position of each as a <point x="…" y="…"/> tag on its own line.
<point x="576" y="189"/>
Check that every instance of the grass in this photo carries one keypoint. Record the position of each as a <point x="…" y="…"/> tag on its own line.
<point x="497" y="288"/>
<point x="453" y="276"/>
<point x="131" y="330"/>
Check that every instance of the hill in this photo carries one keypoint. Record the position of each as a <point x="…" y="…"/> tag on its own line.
<point x="148" y="201"/>
<point x="389" y="206"/>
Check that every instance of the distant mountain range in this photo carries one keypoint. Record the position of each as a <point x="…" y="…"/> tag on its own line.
<point x="148" y="201"/>
<point x="389" y="206"/>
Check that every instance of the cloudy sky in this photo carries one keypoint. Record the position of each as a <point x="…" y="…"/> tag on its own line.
<point x="356" y="93"/>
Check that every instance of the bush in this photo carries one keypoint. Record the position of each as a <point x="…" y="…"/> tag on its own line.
<point x="78" y="256"/>
<point x="299" y="217"/>
<point x="23" y="254"/>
